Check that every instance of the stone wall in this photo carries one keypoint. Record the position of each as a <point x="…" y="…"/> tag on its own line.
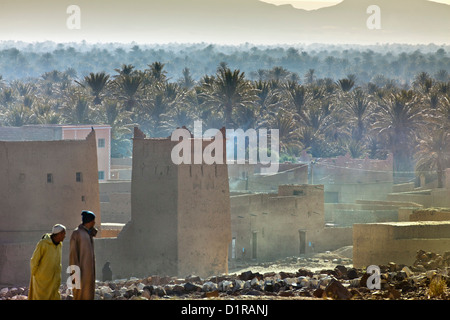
<point x="247" y="177"/>
<point x="268" y="226"/>
<point x="31" y="133"/>
<point x="430" y="214"/>
<point x="422" y="197"/>
<point x="438" y="197"/>
<point x="180" y="216"/>
<point x="381" y="243"/>
<point x="368" y="211"/>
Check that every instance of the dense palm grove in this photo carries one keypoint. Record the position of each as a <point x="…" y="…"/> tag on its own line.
<point x="317" y="108"/>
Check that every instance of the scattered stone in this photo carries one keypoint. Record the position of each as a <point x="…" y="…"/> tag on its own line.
<point x="286" y="294"/>
<point x="284" y="275"/>
<point x="407" y="271"/>
<point x="393" y="293"/>
<point x="146" y="294"/>
<point x="254" y="293"/>
<point x="209" y="286"/>
<point x="363" y="280"/>
<point x="212" y="294"/>
<point x="392" y="266"/>
<point x="238" y="285"/>
<point x="341" y="271"/>
<point x="352" y="273"/>
<point x="225" y="286"/>
<point x="337" y="291"/>
<point x="190" y="287"/>
<point x="340" y="282"/>
<point x="193" y="279"/>
<point x="318" y="293"/>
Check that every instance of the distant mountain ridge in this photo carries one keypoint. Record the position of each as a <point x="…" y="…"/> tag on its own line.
<point x="224" y="21"/>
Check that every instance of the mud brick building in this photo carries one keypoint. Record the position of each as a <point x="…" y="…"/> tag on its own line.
<point x="43" y="183"/>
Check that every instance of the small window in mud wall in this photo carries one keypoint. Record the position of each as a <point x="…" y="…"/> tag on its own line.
<point x="79" y="177"/>
<point x="101" y="143"/>
<point x="49" y="177"/>
<point x="298" y="192"/>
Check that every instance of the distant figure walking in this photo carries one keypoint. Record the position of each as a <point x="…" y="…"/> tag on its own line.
<point x="82" y="255"/>
<point x="106" y="272"/>
<point x="45" y="265"/>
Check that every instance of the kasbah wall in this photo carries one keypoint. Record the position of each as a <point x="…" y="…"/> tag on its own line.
<point x="426" y="228"/>
<point x="181" y="219"/>
<point x="268" y="226"/>
<point x="180" y="216"/>
<point x="38" y="189"/>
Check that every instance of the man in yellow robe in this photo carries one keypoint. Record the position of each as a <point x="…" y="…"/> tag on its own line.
<point x="82" y="255"/>
<point x="45" y="265"/>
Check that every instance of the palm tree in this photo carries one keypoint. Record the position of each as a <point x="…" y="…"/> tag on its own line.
<point x="19" y="115"/>
<point x="267" y="98"/>
<point x="159" y="104"/>
<point x="186" y="82"/>
<point x="278" y="73"/>
<point x="443" y="113"/>
<point x="75" y="109"/>
<point x="120" y="120"/>
<point x="357" y="110"/>
<point x="45" y="115"/>
<point x="434" y="153"/>
<point x="125" y="70"/>
<point x="128" y="90"/>
<point x="399" y="118"/>
<point x="374" y="148"/>
<point x="157" y="71"/>
<point x="356" y="149"/>
<point x="289" y="134"/>
<point x="296" y="99"/>
<point x="310" y="76"/>
<point x="7" y="97"/>
<point x="346" y="84"/>
<point x="229" y="91"/>
<point x="442" y="75"/>
<point x="180" y="115"/>
<point x="423" y="81"/>
<point x="24" y="89"/>
<point x="97" y="83"/>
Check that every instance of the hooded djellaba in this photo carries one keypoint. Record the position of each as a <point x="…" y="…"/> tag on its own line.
<point x="82" y="255"/>
<point x="45" y="266"/>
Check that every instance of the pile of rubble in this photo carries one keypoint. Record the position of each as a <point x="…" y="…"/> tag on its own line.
<point x="429" y="261"/>
<point x="340" y="283"/>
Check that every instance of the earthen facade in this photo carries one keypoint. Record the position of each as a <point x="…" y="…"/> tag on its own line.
<point x="43" y="183"/>
<point x="180" y="216"/>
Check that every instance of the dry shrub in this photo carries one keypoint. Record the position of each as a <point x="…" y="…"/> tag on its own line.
<point x="437" y="287"/>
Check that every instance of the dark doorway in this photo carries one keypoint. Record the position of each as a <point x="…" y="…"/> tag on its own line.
<point x="254" y="244"/>
<point x="302" y="242"/>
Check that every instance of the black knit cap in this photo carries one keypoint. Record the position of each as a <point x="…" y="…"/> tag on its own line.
<point x="87" y="216"/>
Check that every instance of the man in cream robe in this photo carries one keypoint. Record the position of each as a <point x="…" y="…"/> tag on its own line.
<point x="45" y="266"/>
<point x="82" y="255"/>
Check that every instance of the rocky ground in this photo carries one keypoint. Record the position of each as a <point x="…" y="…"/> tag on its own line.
<point x="328" y="275"/>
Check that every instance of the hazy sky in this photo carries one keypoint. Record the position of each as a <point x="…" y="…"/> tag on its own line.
<point x="316" y="4"/>
<point x="163" y="21"/>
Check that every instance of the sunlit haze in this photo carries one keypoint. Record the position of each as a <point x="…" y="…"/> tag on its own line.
<point x="227" y="21"/>
<point x="313" y="5"/>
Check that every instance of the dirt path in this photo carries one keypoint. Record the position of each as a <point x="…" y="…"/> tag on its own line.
<point x="316" y="262"/>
